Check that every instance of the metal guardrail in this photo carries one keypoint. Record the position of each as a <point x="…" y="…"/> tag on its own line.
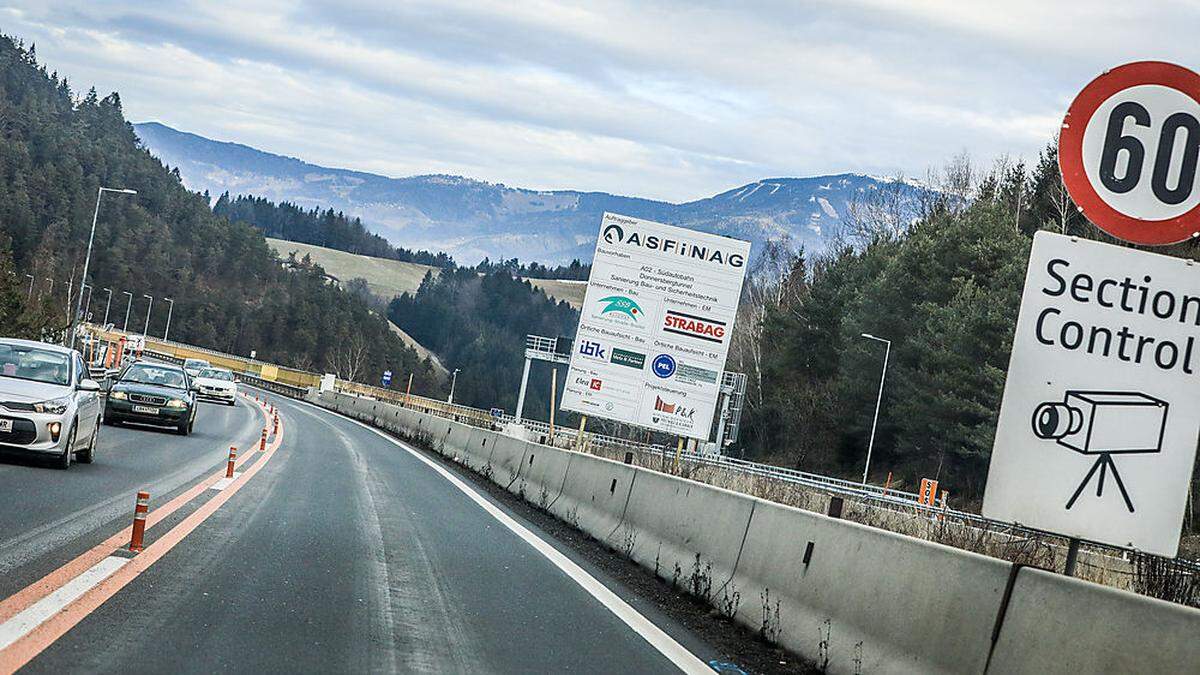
<point x="271" y="386"/>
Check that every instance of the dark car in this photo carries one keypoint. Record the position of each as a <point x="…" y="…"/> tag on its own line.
<point x="152" y="393"/>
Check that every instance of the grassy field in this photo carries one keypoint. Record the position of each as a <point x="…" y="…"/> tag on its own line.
<point x="389" y="278"/>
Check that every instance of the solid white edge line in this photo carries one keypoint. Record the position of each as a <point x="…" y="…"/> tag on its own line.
<point x="25" y="621"/>
<point x="645" y="628"/>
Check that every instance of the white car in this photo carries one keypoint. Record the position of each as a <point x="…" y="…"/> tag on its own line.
<point x="193" y="367"/>
<point x="216" y="384"/>
<point x="48" y="402"/>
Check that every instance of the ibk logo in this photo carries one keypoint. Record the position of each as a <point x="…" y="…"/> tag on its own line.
<point x="694" y="326"/>
<point x="592" y="349"/>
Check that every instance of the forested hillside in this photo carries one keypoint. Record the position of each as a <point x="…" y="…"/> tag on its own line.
<point x="327" y="228"/>
<point x="945" y="290"/>
<point x="230" y="292"/>
<point x="478" y="323"/>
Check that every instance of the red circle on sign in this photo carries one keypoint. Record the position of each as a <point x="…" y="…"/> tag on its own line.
<point x="1070" y="153"/>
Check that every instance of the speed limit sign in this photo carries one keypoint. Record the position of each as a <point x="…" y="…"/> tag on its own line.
<point x="1128" y="152"/>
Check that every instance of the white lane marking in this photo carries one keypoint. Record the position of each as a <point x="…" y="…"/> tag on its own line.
<point x="36" y="614"/>
<point x="224" y="482"/>
<point x="645" y="628"/>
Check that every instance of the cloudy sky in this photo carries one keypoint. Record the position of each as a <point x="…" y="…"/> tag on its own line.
<point x="672" y="100"/>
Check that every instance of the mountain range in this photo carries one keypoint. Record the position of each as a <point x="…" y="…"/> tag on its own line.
<point x="472" y="219"/>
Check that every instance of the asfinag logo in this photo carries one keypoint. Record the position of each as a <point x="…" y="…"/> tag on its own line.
<point x="621" y="306"/>
<point x="613" y="234"/>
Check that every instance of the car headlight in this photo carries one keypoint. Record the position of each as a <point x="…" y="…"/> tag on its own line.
<point x="118" y="395"/>
<point x="176" y="403"/>
<point x="56" y="406"/>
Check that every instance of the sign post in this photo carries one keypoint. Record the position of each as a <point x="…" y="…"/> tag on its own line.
<point x="1101" y="410"/>
<point x="655" y="326"/>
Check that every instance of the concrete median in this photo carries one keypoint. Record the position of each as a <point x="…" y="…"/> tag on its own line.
<point x="688" y="532"/>
<point x="852" y="598"/>
<point x="866" y="599"/>
<point x="1055" y="624"/>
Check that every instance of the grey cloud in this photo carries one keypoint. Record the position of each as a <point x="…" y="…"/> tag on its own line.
<point x="663" y="99"/>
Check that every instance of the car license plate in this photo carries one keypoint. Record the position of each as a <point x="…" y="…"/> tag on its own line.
<point x="145" y="409"/>
<point x="6" y="426"/>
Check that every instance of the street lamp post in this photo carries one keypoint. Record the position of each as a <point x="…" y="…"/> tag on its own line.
<point x="128" y="307"/>
<point x="88" y="258"/>
<point x="878" y="400"/>
<point x="87" y="305"/>
<point x="30" y="296"/>
<point x="170" y="309"/>
<point x="453" y="381"/>
<point x="107" y="305"/>
<point x="148" y="308"/>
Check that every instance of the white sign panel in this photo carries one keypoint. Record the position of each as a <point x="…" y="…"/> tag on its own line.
<point x="1101" y="411"/>
<point x="655" y="326"/>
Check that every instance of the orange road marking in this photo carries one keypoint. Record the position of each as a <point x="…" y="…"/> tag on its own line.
<point x="33" y="643"/>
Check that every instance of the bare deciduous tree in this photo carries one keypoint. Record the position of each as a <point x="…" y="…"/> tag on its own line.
<point x="348" y="357"/>
<point x="768" y="285"/>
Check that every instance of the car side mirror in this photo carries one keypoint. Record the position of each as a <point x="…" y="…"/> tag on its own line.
<point x="89" y="385"/>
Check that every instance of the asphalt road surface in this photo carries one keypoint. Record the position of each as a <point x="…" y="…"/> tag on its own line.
<point x="346" y="552"/>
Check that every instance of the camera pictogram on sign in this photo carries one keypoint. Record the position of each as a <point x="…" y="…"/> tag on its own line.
<point x="1103" y="424"/>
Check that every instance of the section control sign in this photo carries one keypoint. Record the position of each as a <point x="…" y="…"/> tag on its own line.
<point x="1101" y="411"/>
<point x="655" y="326"/>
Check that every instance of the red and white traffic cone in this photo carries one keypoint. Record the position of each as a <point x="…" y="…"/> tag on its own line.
<point x="276" y="432"/>
<point x="140" y="509"/>
<point x="262" y="444"/>
<point x="232" y="461"/>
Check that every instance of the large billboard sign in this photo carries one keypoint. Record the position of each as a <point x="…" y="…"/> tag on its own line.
<point x="1101" y="410"/>
<point x="655" y="326"/>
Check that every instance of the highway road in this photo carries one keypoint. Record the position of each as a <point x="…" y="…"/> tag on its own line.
<point x="341" y="551"/>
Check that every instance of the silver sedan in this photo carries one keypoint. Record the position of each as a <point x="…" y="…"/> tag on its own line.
<point x="48" y="402"/>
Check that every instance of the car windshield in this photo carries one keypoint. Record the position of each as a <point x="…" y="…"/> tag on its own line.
<point x="162" y="376"/>
<point x="195" y="364"/>
<point x="214" y="374"/>
<point x="31" y="363"/>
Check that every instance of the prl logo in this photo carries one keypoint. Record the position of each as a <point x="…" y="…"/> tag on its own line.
<point x="593" y="349"/>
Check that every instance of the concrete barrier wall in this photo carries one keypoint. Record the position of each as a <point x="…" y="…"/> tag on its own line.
<point x="865" y="600"/>
<point x="1062" y="625"/>
<point x="895" y="603"/>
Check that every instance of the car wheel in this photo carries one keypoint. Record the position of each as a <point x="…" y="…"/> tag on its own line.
<point x="89" y="455"/>
<point x="184" y="429"/>
<point x="64" y="461"/>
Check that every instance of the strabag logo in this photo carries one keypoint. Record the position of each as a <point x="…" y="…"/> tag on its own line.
<point x="694" y="326"/>
<point x="622" y="307"/>
<point x="615" y="234"/>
